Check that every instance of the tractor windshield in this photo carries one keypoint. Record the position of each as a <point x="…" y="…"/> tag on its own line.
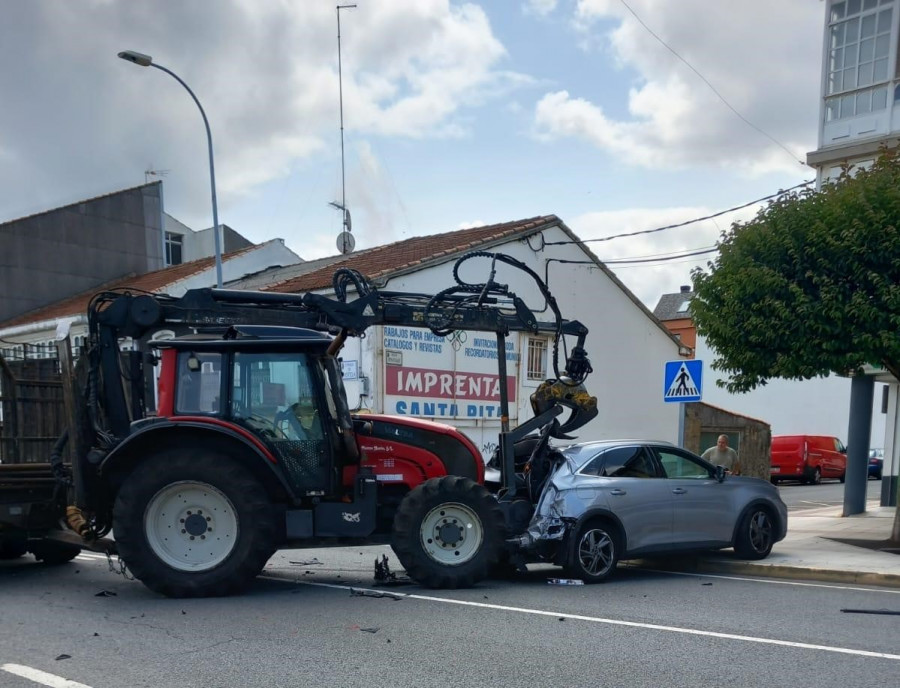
<point x="276" y="395"/>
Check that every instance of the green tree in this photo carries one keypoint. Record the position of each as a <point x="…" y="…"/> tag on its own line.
<point x="810" y="286"/>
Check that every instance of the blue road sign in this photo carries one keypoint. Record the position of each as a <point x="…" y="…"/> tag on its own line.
<point x="683" y="381"/>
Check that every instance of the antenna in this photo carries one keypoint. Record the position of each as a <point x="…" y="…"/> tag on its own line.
<point x="150" y="172"/>
<point x="345" y="240"/>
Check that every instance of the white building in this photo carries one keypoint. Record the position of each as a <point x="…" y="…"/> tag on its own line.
<point x="400" y="370"/>
<point x="39" y="327"/>
<point x="860" y="113"/>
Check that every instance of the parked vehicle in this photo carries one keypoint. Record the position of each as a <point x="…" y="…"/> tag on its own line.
<point x="612" y="500"/>
<point x="807" y="458"/>
<point x="876" y="463"/>
<point x="252" y="446"/>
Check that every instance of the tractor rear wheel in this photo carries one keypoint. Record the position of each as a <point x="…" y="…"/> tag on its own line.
<point x="194" y="526"/>
<point x="448" y="533"/>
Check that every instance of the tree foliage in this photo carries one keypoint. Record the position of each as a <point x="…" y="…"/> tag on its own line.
<point x="811" y="286"/>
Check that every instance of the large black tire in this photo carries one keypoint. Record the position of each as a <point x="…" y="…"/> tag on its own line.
<point x="594" y="551"/>
<point x="756" y="534"/>
<point x="194" y="525"/>
<point x="53" y="553"/>
<point x="12" y="548"/>
<point x="448" y="533"/>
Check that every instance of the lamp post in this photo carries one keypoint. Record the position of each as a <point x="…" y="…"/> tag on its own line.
<point x="146" y="61"/>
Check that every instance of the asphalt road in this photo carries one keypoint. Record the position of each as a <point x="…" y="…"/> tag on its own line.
<point x="828" y="493"/>
<point x="302" y="625"/>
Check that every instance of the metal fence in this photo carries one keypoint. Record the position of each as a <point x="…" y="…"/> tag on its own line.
<point x="32" y="410"/>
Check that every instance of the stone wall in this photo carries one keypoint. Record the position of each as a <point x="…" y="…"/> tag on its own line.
<point x="755" y="436"/>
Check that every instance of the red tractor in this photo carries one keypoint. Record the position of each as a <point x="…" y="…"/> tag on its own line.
<point x="253" y="446"/>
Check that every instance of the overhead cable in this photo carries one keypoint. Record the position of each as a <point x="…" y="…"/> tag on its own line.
<point x="685" y="223"/>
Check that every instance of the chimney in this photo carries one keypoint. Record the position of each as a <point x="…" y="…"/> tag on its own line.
<point x="685" y="288"/>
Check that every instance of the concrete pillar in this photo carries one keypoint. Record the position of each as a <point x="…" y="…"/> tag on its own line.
<point x="891" y="447"/>
<point x="862" y="393"/>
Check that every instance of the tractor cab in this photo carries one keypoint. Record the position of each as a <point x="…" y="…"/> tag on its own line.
<point x="278" y="384"/>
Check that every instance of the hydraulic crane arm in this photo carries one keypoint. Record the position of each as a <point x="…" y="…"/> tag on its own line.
<point x="485" y="307"/>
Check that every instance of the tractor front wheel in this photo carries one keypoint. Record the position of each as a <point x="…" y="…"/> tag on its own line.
<point x="448" y="533"/>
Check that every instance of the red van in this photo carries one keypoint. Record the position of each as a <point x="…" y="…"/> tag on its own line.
<point x="807" y="458"/>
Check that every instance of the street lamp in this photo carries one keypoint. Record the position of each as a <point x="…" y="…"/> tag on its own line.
<point x="146" y="61"/>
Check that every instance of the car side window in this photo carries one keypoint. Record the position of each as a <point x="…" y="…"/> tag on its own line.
<point x="622" y="462"/>
<point x="839" y="446"/>
<point x="678" y="465"/>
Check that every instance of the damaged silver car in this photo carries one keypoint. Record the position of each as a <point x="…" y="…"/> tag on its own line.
<point x="601" y="502"/>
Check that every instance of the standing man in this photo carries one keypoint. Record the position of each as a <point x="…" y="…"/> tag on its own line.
<point x="723" y="455"/>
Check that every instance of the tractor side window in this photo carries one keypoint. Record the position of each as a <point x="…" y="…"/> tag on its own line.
<point x="275" y="394"/>
<point x="199" y="382"/>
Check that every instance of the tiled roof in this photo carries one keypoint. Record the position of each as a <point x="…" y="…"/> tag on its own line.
<point x="411" y="253"/>
<point x="156" y="281"/>
<point x="669" y="306"/>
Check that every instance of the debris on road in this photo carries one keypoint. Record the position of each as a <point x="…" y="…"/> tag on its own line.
<point x="105" y="593"/>
<point x="354" y="592"/>
<point x="384" y="575"/>
<point x="564" y="581"/>
<point x="311" y="562"/>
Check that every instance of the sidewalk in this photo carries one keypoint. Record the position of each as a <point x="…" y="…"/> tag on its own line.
<point x="815" y="549"/>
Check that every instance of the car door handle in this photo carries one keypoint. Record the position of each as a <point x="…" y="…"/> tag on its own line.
<point x="679" y="490"/>
<point x="617" y="492"/>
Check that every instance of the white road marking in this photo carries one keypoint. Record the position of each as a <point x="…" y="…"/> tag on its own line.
<point x="41" y="677"/>
<point x="92" y="555"/>
<point x="769" y="581"/>
<point x="612" y="622"/>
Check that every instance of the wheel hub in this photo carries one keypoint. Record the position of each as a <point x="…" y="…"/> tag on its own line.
<point x="195" y="524"/>
<point x="191" y="526"/>
<point x="452" y="533"/>
<point x="449" y="534"/>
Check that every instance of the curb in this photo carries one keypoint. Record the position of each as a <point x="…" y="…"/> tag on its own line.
<point x="700" y="565"/>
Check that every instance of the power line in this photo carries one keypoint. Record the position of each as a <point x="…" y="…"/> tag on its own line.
<point x="713" y="88"/>
<point x="686" y="222"/>
<point x="661" y="259"/>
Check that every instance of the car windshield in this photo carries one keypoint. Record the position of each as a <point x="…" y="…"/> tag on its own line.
<point x="580" y="454"/>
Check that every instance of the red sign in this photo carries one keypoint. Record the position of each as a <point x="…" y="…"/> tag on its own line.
<point x="445" y="384"/>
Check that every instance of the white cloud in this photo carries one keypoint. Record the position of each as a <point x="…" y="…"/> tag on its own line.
<point x="751" y="52"/>
<point x="76" y="121"/>
<point x="540" y="7"/>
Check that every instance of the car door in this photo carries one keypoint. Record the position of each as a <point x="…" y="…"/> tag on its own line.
<point x="703" y="508"/>
<point x="628" y="480"/>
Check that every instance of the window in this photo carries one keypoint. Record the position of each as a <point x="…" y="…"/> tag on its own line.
<point x="678" y="465"/>
<point x="199" y="388"/>
<point x="859" y="38"/>
<point x="537" y="359"/>
<point x="685" y="306"/>
<point x="622" y="462"/>
<point x="275" y="394"/>
<point x="174" y="243"/>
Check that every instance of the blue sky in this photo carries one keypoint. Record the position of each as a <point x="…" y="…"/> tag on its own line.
<point x="456" y="113"/>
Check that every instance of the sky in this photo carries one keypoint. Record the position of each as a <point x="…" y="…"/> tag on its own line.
<point x="455" y="114"/>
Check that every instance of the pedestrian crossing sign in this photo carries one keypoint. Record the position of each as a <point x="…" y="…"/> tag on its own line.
<point x="683" y="381"/>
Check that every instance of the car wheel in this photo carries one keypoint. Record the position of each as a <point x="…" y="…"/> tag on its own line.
<point x="843" y="476"/>
<point x="756" y="534"/>
<point x="816" y="477"/>
<point x="774" y="480"/>
<point x="593" y="552"/>
<point x="878" y="475"/>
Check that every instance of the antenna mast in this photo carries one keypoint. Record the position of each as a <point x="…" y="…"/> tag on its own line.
<point x="345" y="240"/>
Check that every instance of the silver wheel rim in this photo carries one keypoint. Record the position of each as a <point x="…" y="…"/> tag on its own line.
<point x="595" y="552"/>
<point x="760" y="531"/>
<point x="451" y="534"/>
<point x="191" y="526"/>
